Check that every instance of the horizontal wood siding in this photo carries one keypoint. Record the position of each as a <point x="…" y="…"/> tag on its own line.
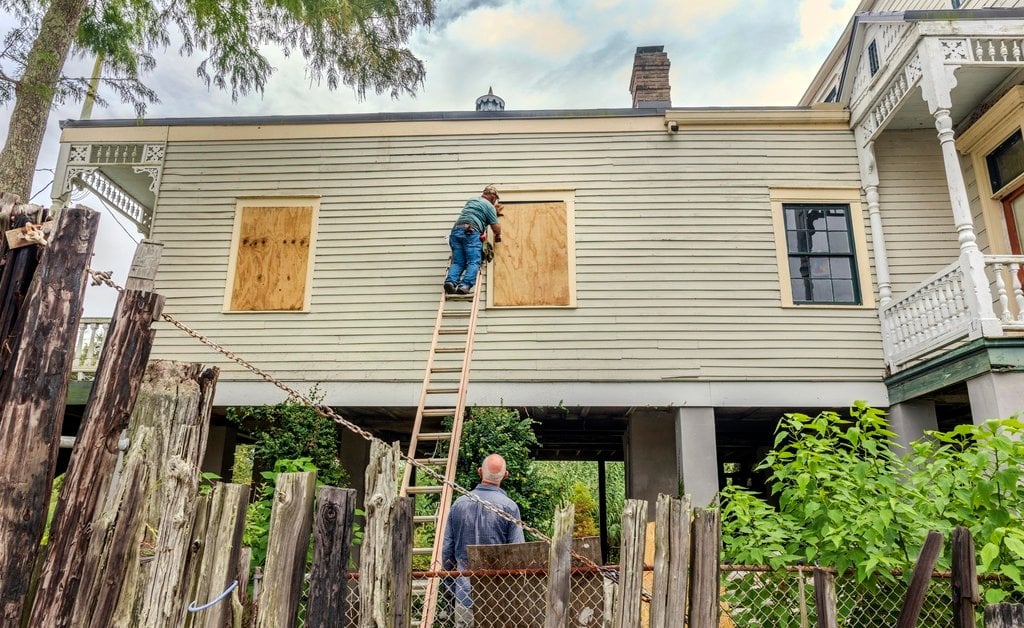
<point x="920" y="235"/>
<point x="675" y="256"/>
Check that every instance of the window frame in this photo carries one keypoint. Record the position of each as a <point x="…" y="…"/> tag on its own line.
<point x="985" y="135"/>
<point x="243" y="202"/>
<point x="851" y="197"/>
<point x="523" y="194"/>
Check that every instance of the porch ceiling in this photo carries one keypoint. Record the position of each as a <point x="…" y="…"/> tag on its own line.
<point x="134" y="183"/>
<point x="974" y="85"/>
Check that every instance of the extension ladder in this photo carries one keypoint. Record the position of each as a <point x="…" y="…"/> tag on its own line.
<point x="443" y="395"/>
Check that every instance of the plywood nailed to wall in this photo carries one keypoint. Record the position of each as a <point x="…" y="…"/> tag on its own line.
<point x="272" y="258"/>
<point x="531" y="265"/>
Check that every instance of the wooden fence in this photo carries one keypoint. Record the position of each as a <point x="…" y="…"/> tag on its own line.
<point x="133" y="540"/>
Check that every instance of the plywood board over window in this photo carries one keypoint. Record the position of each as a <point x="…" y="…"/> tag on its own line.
<point x="271" y="255"/>
<point x="534" y="266"/>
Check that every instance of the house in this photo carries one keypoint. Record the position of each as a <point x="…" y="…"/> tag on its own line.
<point x="671" y="280"/>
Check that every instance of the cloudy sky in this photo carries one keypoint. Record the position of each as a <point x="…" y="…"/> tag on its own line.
<point x="536" y="54"/>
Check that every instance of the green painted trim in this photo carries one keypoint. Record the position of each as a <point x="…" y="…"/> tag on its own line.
<point x="977" y="357"/>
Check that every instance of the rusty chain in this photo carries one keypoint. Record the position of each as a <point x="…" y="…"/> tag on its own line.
<point x="104" y="278"/>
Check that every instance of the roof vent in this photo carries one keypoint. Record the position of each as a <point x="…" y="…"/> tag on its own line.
<point x="490" y="102"/>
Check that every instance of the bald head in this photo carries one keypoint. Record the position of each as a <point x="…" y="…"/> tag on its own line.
<point x="493" y="470"/>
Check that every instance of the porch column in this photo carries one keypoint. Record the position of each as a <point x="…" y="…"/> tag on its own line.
<point x="937" y="83"/>
<point x="996" y="396"/>
<point x="910" y="419"/>
<point x="869" y="178"/>
<point x="651" y="457"/>
<point x="697" y="453"/>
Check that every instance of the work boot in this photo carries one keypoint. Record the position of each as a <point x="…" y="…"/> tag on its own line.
<point x="449" y="287"/>
<point x="463" y="289"/>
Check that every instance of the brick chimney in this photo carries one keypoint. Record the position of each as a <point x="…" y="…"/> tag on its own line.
<point x="649" y="82"/>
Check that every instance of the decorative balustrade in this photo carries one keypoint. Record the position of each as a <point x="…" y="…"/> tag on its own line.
<point x="938" y="311"/>
<point x="92" y="332"/>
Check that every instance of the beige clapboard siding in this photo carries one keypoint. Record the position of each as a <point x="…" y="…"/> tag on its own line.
<point x="920" y="235"/>
<point x="676" y="272"/>
<point x="908" y="5"/>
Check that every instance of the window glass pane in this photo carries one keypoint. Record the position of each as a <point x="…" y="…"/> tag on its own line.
<point x="841" y="268"/>
<point x="1006" y="162"/>
<point x="820" y="267"/>
<point x="839" y="242"/>
<point x="836" y="220"/>
<point x="790" y="219"/>
<point x="821" y="291"/>
<point x="844" y="291"/>
<point x="819" y="242"/>
<point x="799" y="287"/>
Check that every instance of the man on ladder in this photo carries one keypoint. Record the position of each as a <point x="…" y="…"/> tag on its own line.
<point x="466" y="240"/>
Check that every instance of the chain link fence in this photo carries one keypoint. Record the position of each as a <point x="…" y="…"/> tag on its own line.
<point x="749" y="596"/>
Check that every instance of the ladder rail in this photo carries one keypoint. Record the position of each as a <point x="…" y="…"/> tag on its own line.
<point x="418" y="422"/>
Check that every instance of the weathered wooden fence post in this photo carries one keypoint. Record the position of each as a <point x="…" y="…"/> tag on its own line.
<point x="704" y="610"/>
<point x="17" y="267"/>
<point x="111" y="401"/>
<point x="221" y="547"/>
<point x="824" y="598"/>
<point x="291" y="521"/>
<point x="560" y="569"/>
<point x="33" y="392"/>
<point x="631" y="563"/>
<point x="930" y="552"/>
<point x="965" y="579"/>
<point x="1004" y="616"/>
<point x="671" y="561"/>
<point x="332" y="541"/>
<point x="376" y="581"/>
<point x="401" y="560"/>
<point x="156" y="490"/>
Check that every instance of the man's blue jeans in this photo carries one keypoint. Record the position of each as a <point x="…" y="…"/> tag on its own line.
<point x="467" y="253"/>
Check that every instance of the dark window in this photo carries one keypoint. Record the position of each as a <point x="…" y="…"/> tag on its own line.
<point x="957" y="3"/>
<point x="873" y="57"/>
<point x="1006" y="162"/>
<point x="833" y="95"/>
<point x="822" y="263"/>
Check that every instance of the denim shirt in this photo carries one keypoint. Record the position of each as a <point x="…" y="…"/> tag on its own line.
<point x="478" y="212"/>
<point x="469" y="523"/>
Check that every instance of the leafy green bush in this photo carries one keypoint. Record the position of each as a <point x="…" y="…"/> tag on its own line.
<point x="843" y="497"/>
<point x="291" y="430"/>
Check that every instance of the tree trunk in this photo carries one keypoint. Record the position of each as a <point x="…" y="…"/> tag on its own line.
<point x="32" y="397"/>
<point x="34" y="96"/>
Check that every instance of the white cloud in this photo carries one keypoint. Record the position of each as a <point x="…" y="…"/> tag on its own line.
<point x="818" y="19"/>
<point x="526" y="32"/>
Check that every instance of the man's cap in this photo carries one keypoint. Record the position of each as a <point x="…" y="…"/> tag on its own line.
<point x="490" y="189"/>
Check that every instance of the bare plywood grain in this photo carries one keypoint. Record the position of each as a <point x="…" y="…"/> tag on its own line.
<point x="272" y="258"/>
<point x="532" y="261"/>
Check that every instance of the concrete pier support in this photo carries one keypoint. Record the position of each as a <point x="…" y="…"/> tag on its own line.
<point x="651" y="466"/>
<point x="996" y="396"/>
<point x="910" y="419"/>
<point x="697" y="453"/>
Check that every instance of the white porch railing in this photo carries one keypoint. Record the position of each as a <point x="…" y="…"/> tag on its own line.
<point x="938" y="312"/>
<point x="92" y="332"/>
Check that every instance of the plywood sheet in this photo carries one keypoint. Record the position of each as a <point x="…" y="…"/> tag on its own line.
<point x="531" y="267"/>
<point x="272" y="258"/>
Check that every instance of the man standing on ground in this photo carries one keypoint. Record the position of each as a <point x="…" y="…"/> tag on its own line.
<point x="469" y="523"/>
<point x="466" y="240"/>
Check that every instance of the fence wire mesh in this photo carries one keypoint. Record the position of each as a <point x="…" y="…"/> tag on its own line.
<point x="749" y="596"/>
